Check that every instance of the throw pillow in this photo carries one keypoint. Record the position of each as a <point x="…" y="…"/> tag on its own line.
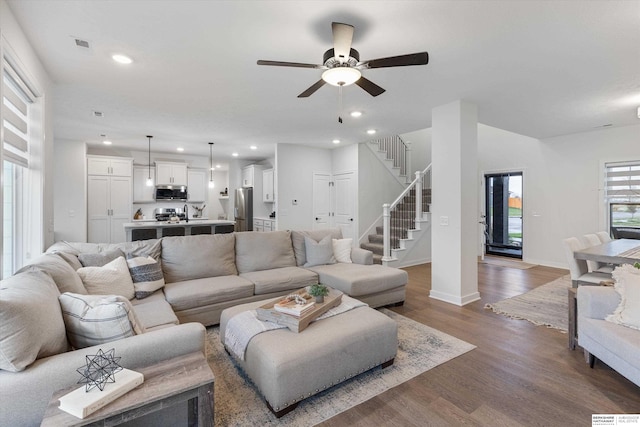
<point x="31" y="325"/>
<point x="628" y="286"/>
<point x="319" y="253"/>
<point x="99" y="259"/>
<point x="342" y="250"/>
<point x="98" y="319"/>
<point x="112" y="279"/>
<point x="64" y="276"/>
<point x="146" y="274"/>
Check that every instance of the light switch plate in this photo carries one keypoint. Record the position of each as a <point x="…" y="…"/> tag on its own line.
<point x="444" y="220"/>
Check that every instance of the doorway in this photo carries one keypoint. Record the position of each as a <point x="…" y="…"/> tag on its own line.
<point x="503" y="229"/>
<point x="335" y="202"/>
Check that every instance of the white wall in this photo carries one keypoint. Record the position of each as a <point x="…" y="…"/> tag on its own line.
<point x="294" y="170"/>
<point x="70" y="188"/>
<point x="562" y="182"/>
<point x="420" y="144"/>
<point x="376" y="187"/>
<point x="16" y="44"/>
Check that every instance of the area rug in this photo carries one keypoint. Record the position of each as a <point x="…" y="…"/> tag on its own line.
<point x="545" y="305"/>
<point x="237" y="403"/>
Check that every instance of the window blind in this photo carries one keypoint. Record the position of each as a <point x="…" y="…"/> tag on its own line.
<point x="16" y="98"/>
<point x="623" y="182"/>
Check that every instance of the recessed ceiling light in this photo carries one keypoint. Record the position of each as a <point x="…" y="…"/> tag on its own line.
<point x="371" y="131"/>
<point x="122" y="59"/>
<point x="106" y="142"/>
<point x="234" y="154"/>
<point x="180" y="149"/>
<point x="253" y="147"/>
<point x="336" y="141"/>
<point x="356" y="113"/>
<point x="218" y="166"/>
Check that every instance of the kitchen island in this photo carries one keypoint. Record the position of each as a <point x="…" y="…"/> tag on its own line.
<point x="143" y="230"/>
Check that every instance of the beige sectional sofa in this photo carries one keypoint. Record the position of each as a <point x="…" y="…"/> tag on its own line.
<point x="203" y="275"/>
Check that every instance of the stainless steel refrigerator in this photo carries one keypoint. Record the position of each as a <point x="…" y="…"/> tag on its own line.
<point x="243" y="210"/>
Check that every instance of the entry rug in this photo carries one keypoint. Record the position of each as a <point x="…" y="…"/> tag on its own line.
<point x="545" y="305"/>
<point x="237" y="403"/>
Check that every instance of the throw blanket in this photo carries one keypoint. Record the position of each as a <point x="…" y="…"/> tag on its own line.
<point x="246" y="325"/>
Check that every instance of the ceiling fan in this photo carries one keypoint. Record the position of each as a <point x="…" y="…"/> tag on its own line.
<point x="343" y="66"/>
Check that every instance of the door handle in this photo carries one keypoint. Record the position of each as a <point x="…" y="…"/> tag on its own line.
<point x="317" y="218"/>
<point x="351" y="219"/>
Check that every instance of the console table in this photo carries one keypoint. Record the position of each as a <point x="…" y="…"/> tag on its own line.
<point x="167" y="383"/>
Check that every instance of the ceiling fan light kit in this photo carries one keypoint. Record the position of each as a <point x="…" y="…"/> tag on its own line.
<point x="343" y="66"/>
<point x="341" y="76"/>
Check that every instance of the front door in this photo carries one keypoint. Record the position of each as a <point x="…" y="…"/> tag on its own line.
<point x="503" y="196"/>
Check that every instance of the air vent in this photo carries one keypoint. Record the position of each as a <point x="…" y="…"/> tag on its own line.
<point x="98" y="114"/>
<point x="82" y="43"/>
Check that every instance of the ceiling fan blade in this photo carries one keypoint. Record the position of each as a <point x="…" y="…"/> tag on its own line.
<point x="317" y="85"/>
<point x="420" y="58"/>
<point x="289" y="64"/>
<point x="342" y="37"/>
<point x="369" y="86"/>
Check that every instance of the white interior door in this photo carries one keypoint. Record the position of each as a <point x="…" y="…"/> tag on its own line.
<point x="345" y="204"/>
<point x="321" y="200"/>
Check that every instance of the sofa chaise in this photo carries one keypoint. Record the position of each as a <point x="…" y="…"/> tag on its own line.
<point x="202" y="276"/>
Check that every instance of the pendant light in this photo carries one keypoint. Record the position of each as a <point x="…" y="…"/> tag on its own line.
<point x="211" y="184"/>
<point x="149" y="180"/>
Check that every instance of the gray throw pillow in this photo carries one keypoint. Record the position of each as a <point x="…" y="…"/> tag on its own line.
<point x="31" y="325"/>
<point x="146" y="274"/>
<point x="99" y="259"/>
<point x="319" y="253"/>
<point x="65" y="277"/>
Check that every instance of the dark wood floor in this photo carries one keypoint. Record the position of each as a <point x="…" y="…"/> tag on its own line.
<point x="519" y="374"/>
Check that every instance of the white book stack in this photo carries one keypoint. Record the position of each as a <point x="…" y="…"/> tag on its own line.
<point x="81" y="403"/>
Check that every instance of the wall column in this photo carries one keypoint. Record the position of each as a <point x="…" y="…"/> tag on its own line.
<point x="454" y="241"/>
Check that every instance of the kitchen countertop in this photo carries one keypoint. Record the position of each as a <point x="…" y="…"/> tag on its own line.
<point x="156" y="224"/>
<point x="264" y="218"/>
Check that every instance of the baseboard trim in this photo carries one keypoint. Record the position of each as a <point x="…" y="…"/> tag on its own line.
<point x="455" y="299"/>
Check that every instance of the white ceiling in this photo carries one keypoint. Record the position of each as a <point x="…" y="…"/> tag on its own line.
<point x="538" y="68"/>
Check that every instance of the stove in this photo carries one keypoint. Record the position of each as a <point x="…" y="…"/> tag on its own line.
<point x="165" y="214"/>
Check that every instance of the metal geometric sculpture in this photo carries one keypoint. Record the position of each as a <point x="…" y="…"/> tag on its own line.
<point x="99" y="370"/>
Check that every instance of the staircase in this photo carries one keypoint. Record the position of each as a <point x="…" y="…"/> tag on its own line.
<point x="405" y="221"/>
<point x="402" y="228"/>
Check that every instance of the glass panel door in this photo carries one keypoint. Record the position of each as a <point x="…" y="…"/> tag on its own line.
<point x="504" y="214"/>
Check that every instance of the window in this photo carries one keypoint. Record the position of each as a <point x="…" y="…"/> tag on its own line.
<point x="622" y="192"/>
<point x="17" y="141"/>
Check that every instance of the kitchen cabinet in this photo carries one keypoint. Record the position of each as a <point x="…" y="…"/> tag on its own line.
<point x="258" y="225"/>
<point x="109" y="207"/>
<point x="250" y="177"/>
<point x="168" y="173"/>
<point x="197" y="185"/>
<point x="268" y="195"/>
<point x="142" y="193"/>
<point x="268" y="225"/>
<point x="109" y="166"/>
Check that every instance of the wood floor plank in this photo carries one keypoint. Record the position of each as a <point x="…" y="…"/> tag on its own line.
<point x="519" y="374"/>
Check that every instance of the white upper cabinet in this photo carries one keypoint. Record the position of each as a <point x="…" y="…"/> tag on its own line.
<point x="197" y="185"/>
<point x="105" y="165"/>
<point x="268" y="195"/>
<point x="168" y="173"/>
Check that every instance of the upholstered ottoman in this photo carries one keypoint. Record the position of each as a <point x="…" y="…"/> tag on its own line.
<point x="288" y="367"/>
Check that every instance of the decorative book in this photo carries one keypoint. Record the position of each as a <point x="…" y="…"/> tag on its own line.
<point x="81" y="403"/>
<point x="295" y="304"/>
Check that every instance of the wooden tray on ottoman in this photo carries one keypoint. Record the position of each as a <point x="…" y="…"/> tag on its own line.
<point x="298" y="324"/>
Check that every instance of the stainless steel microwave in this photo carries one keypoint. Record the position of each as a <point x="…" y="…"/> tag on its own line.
<point x="169" y="192"/>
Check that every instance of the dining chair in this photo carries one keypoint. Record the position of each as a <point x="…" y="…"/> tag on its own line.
<point x="600" y="267"/>
<point x="578" y="269"/>
<point x="604" y="236"/>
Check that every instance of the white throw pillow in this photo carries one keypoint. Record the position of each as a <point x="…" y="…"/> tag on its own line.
<point x="98" y="319"/>
<point x="342" y="250"/>
<point x="627" y="285"/>
<point x="146" y="274"/>
<point x="110" y="279"/>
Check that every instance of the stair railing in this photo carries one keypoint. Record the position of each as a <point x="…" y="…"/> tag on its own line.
<point x="405" y="213"/>
<point x="397" y="151"/>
